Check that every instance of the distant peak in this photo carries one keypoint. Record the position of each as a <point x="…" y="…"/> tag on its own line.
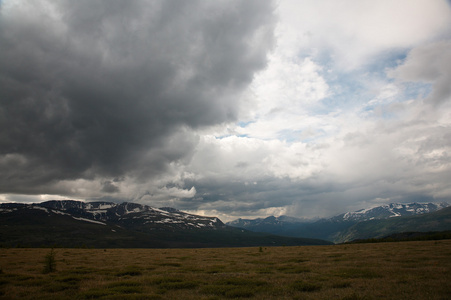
<point x="391" y="210"/>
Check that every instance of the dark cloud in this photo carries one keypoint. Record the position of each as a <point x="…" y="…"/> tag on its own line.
<point x="109" y="187"/>
<point x="104" y="89"/>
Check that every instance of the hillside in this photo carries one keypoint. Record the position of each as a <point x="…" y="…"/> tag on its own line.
<point x="434" y="221"/>
<point x="340" y="228"/>
<point x="126" y="225"/>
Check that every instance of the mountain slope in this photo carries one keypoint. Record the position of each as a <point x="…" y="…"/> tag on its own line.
<point x="435" y="221"/>
<point x="332" y="228"/>
<point x="390" y="211"/>
<point x="127" y="225"/>
<point x="133" y="215"/>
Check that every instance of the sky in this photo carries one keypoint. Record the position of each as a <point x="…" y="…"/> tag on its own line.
<point x="226" y="108"/>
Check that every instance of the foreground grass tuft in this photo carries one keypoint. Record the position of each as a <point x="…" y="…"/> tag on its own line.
<point x="303" y="286"/>
<point x="130" y="271"/>
<point x="229" y="291"/>
<point x="235" y="287"/>
<point x="341" y="285"/>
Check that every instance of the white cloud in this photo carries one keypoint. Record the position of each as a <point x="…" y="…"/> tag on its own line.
<point x="431" y="64"/>
<point x="283" y="95"/>
<point x="352" y="32"/>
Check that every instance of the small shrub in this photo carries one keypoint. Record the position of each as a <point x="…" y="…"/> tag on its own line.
<point x="49" y="262"/>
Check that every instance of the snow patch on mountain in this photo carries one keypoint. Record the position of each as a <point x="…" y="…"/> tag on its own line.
<point x="88" y="220"/>
<point x="40" y="208"/>
<point x="391" y="210"/>
<point x="60" y="213"/>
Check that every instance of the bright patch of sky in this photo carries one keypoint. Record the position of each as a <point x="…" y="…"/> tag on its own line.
<point x="327" y="64"/>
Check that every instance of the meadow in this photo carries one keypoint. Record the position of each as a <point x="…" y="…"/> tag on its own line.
<point x="401" y="270"/>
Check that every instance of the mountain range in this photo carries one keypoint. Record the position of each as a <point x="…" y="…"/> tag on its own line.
<point x="375" y="222"/>
<point x="67" y="223"/>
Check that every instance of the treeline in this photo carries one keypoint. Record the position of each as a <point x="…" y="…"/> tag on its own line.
<point x="407" y="236"/>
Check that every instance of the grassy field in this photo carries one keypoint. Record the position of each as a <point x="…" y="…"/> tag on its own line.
<point x="404" y="270"/>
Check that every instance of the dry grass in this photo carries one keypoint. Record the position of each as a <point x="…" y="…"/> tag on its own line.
<point x="407" y="270"/>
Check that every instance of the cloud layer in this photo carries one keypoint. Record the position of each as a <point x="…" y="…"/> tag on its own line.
<point x="92" y="90"/>
<point x="227" y="108"/>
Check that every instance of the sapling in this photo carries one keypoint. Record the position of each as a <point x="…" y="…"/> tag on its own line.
<point x="49" y="262"/>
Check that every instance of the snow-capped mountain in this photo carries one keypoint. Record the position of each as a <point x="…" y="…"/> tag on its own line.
<point x="379" y="212"/>
<point x="124" y="214"/>
<point x="389" y="211"/>
<point x="127" y="225"/>
<point x="331" y="228"/>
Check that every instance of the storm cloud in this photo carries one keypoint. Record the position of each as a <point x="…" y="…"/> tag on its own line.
<point x="108" y="88"/>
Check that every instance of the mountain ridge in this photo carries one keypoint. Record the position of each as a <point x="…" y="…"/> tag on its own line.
<point x="127" y="212"/>
<point x="331" y="228"/>
<point x="70" y="223"/>
<point x="439" y="220"/>
<point x="392" y="210"/>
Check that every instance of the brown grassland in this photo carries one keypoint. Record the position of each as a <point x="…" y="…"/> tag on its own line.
<point x="404" y="270"/>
